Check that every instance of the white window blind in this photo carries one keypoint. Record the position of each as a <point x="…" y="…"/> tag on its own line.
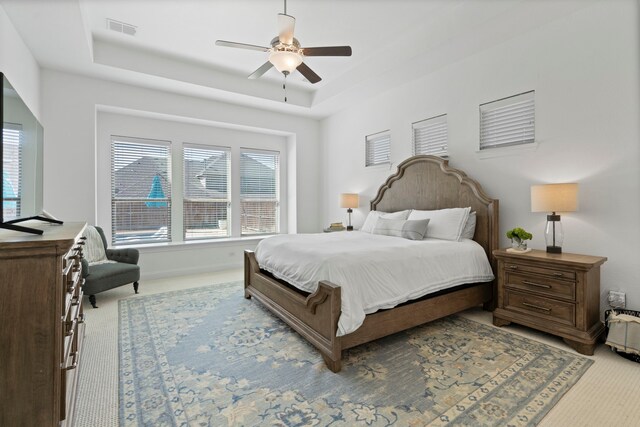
<point x="508" y="121"/>
<point x="140" y="190"/>
<point x="206" y="192"/>
<point x="378" y="148"/>
<point x="259" y="192"/>
<point x="12" y="143"/>
<point x="430" y="136"/>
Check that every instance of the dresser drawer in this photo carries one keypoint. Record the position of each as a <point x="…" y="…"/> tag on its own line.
<point x="538" y="306"/>
<point x="542" y="285"/>
<point x="542" y="271"/>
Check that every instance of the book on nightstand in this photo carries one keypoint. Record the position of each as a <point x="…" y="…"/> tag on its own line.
<point x="335" y="226"/>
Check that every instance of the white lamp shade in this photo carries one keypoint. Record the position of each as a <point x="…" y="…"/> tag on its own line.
<point x="349" y="200"/>
<point x="284" y="60"/>
<point x="554" y="198"/>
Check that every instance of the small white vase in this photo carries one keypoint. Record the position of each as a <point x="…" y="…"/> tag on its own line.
<point x="518" y="244"/>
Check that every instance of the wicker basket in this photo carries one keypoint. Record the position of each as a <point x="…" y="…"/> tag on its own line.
<point x="630" y="356"/>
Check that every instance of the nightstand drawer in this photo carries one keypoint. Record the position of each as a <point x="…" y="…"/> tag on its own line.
<point x="543" y="271"/>
<point x="545" y="308"/>
<point x="542" y="285"/>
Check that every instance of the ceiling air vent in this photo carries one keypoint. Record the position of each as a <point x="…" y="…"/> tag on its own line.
<point x="121" y="27"/>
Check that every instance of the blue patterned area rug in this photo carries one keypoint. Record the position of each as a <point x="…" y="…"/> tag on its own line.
<point x="209" y="357"/>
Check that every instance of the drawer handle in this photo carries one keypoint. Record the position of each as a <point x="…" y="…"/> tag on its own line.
<point x="526" y="304"/>
<point x="513" y="267"/>
<point x="74" y="365"/>
<point x="538" y="285"/>
<point x="558" y="274"/>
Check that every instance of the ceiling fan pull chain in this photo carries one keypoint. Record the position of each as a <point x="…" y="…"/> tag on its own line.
<point x="284" y="86"/>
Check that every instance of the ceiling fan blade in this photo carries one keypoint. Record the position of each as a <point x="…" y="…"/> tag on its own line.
<point x="260" y="71"/>
<point x="308" y="73"/>
<point x="286" y="25"/>
<point x="327" y="51"/>
<point x="241" y="45"/>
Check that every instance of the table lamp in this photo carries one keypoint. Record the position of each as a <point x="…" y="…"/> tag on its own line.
<point x="554" y="198"/>
<point x="349" y="201"/>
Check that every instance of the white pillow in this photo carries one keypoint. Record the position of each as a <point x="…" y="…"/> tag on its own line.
<point x="373" y="216"/>
<point x="469" y="229"/>
<point x="445" y="224"/>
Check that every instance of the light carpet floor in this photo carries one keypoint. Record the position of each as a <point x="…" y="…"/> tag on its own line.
<point x="606" y="395"/>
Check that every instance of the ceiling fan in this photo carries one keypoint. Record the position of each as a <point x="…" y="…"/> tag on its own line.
<point x="285" y="52"/>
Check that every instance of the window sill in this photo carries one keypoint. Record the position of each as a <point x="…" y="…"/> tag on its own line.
<point x="507" y="151"/>
<point x="193" y="244"/>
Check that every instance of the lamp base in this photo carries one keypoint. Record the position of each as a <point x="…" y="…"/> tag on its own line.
<point x="554" y="249"/>
<point x="349" y="227"/>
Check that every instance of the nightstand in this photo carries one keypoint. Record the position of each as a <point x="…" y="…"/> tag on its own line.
<point x="554" y="293"/>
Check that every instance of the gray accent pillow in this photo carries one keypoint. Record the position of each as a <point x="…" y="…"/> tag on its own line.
<point x="408" y="229"/>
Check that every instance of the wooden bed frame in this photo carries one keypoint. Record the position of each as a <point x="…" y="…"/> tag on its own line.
<point x="421" y="182"/>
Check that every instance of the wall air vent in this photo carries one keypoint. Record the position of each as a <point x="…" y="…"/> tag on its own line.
<point x="121" y="27"/>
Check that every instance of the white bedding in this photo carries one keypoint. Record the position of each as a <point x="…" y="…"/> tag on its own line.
<point x="375" y="271"/>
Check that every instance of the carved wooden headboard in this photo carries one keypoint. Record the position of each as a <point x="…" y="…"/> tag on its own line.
<point x="428" y="183"/>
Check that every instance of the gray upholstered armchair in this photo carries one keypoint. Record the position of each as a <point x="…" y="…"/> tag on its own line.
<point x="102" y="277"/>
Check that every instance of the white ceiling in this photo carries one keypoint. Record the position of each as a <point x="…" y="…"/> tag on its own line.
<point x="393" y="42"/>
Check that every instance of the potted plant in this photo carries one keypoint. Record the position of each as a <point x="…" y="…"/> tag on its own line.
<point x="519" y="237"/>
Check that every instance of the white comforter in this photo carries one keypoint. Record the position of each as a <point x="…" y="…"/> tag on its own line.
<point x="374" y="271"/>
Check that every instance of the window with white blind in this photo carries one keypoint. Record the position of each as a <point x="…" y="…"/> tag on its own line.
<point x="206" y="202"/>
<point x="378" y="148"/>
<point x="430" y="136"/>
<point x="509" y="121"/>
<point x="259" y="192"/>
<point x="140" y="190"/>
<point x="12" y="143"/>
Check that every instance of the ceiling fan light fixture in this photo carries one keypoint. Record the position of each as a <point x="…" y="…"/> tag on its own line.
<point x="285" y="60"/>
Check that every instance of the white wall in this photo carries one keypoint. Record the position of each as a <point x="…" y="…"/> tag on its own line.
<point x="585" y="70"/>
<point x="19" y="65"/>
<point x="69" y="116"/>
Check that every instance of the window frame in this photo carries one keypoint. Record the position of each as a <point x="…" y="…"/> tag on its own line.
<point x="277" y="190"/>
<point x="185" y="199"/>
<point x="157" y="143"/>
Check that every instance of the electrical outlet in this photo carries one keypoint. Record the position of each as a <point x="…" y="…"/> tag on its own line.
<point x="617" y="299"/>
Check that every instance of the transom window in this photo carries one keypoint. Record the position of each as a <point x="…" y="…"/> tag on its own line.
<point x="430" y="136"/>
<point x="378" y="148"/>
<point x="508" y="121"/>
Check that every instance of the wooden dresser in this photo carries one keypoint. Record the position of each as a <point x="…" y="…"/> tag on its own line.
<point x="42" y="324"/>
<point x="555" y="293"/>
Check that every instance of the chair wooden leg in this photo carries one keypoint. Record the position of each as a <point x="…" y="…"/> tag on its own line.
<point x="92" y="300"/>
<point x="135" y="287"/>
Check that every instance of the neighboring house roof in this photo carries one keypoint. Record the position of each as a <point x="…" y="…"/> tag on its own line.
<point x="262" y="181"/>
<point x="204" y="179"/>
<point x="135" y="179"/>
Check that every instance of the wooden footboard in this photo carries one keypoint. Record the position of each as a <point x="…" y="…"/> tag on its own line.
<point x="315" y="316"/>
